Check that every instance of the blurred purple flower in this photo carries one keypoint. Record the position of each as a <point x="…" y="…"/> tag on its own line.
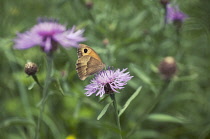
<point x="107" y="82"/>
<point x="174" y="14"/>
<point x="48" y="34"/>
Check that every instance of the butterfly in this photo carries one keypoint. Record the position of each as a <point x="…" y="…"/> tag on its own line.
<point x="88" y="62"/>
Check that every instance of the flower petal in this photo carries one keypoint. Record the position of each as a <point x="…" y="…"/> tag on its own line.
<point x="115" y="78"/>
<point x="27" y="40"/>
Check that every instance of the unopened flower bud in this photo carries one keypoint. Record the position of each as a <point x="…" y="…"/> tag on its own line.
<point x="164" y="2"/>
<point x="167" y="67"/>
<point x="106" y="41"/>
<point x="89" y="4"/>
<point x="30" y="68"/>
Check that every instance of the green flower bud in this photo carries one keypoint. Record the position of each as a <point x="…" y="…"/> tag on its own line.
<point x="167" y="67"/>
<point x="30" y="68"/>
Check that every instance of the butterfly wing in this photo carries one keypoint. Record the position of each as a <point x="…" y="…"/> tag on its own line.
<point x="88" y="62"/>
<point x="84" y="50"/>
<point x="87" y="65"/>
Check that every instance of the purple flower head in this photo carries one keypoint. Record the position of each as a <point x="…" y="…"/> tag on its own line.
<point x="48" y="34"/>
<point x="108" y="82"/>
<point x="174" y="14"/>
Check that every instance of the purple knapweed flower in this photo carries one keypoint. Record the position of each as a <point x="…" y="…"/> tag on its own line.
<point x="174" y="14"/>
<point x="48" y="34"/>
<point x="108" y="82"/>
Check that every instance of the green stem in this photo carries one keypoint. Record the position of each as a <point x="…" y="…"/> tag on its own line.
<point x="179" y="52"/>
<point x="165" y="17"/>
<point x="116" y="113"/>
<point x="45" y="92"/>
<point x="151" y="108"/>
<point x="37" y="81"/>
<point x="21" y="89"/>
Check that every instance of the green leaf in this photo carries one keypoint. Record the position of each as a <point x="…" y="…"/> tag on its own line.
<point x="187" y="78"/>
<point x="59" y="87"/>
<point x="135" y="94"/>
<point x="31" y="86"/>
<point x="104" y="111"/>
<point x="16" y="121"/>
<point x="165" y="118"/>
<point x="143" y="76"/>
<point x="104" y="98"/>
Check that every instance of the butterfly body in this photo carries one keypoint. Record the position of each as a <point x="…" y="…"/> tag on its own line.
<point x="88" y="62"/>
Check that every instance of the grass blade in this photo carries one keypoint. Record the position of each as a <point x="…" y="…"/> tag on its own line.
<point x="135" y="94"/>
<point x="165" y="118"/>
<point x="104" y="110"/>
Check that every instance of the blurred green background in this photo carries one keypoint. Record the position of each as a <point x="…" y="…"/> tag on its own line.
<point x="126" y="34"/>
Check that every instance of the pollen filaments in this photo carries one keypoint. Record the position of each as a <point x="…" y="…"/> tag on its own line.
<point x="30" y="68"/>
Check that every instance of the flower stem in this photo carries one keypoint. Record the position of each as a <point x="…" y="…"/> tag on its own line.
<point x="116" y="113"/>
<point x="165" y="17"/>
<point x="45" y="92"/>
<point x="179" y="52"/>
<point x="37" y="81"/>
